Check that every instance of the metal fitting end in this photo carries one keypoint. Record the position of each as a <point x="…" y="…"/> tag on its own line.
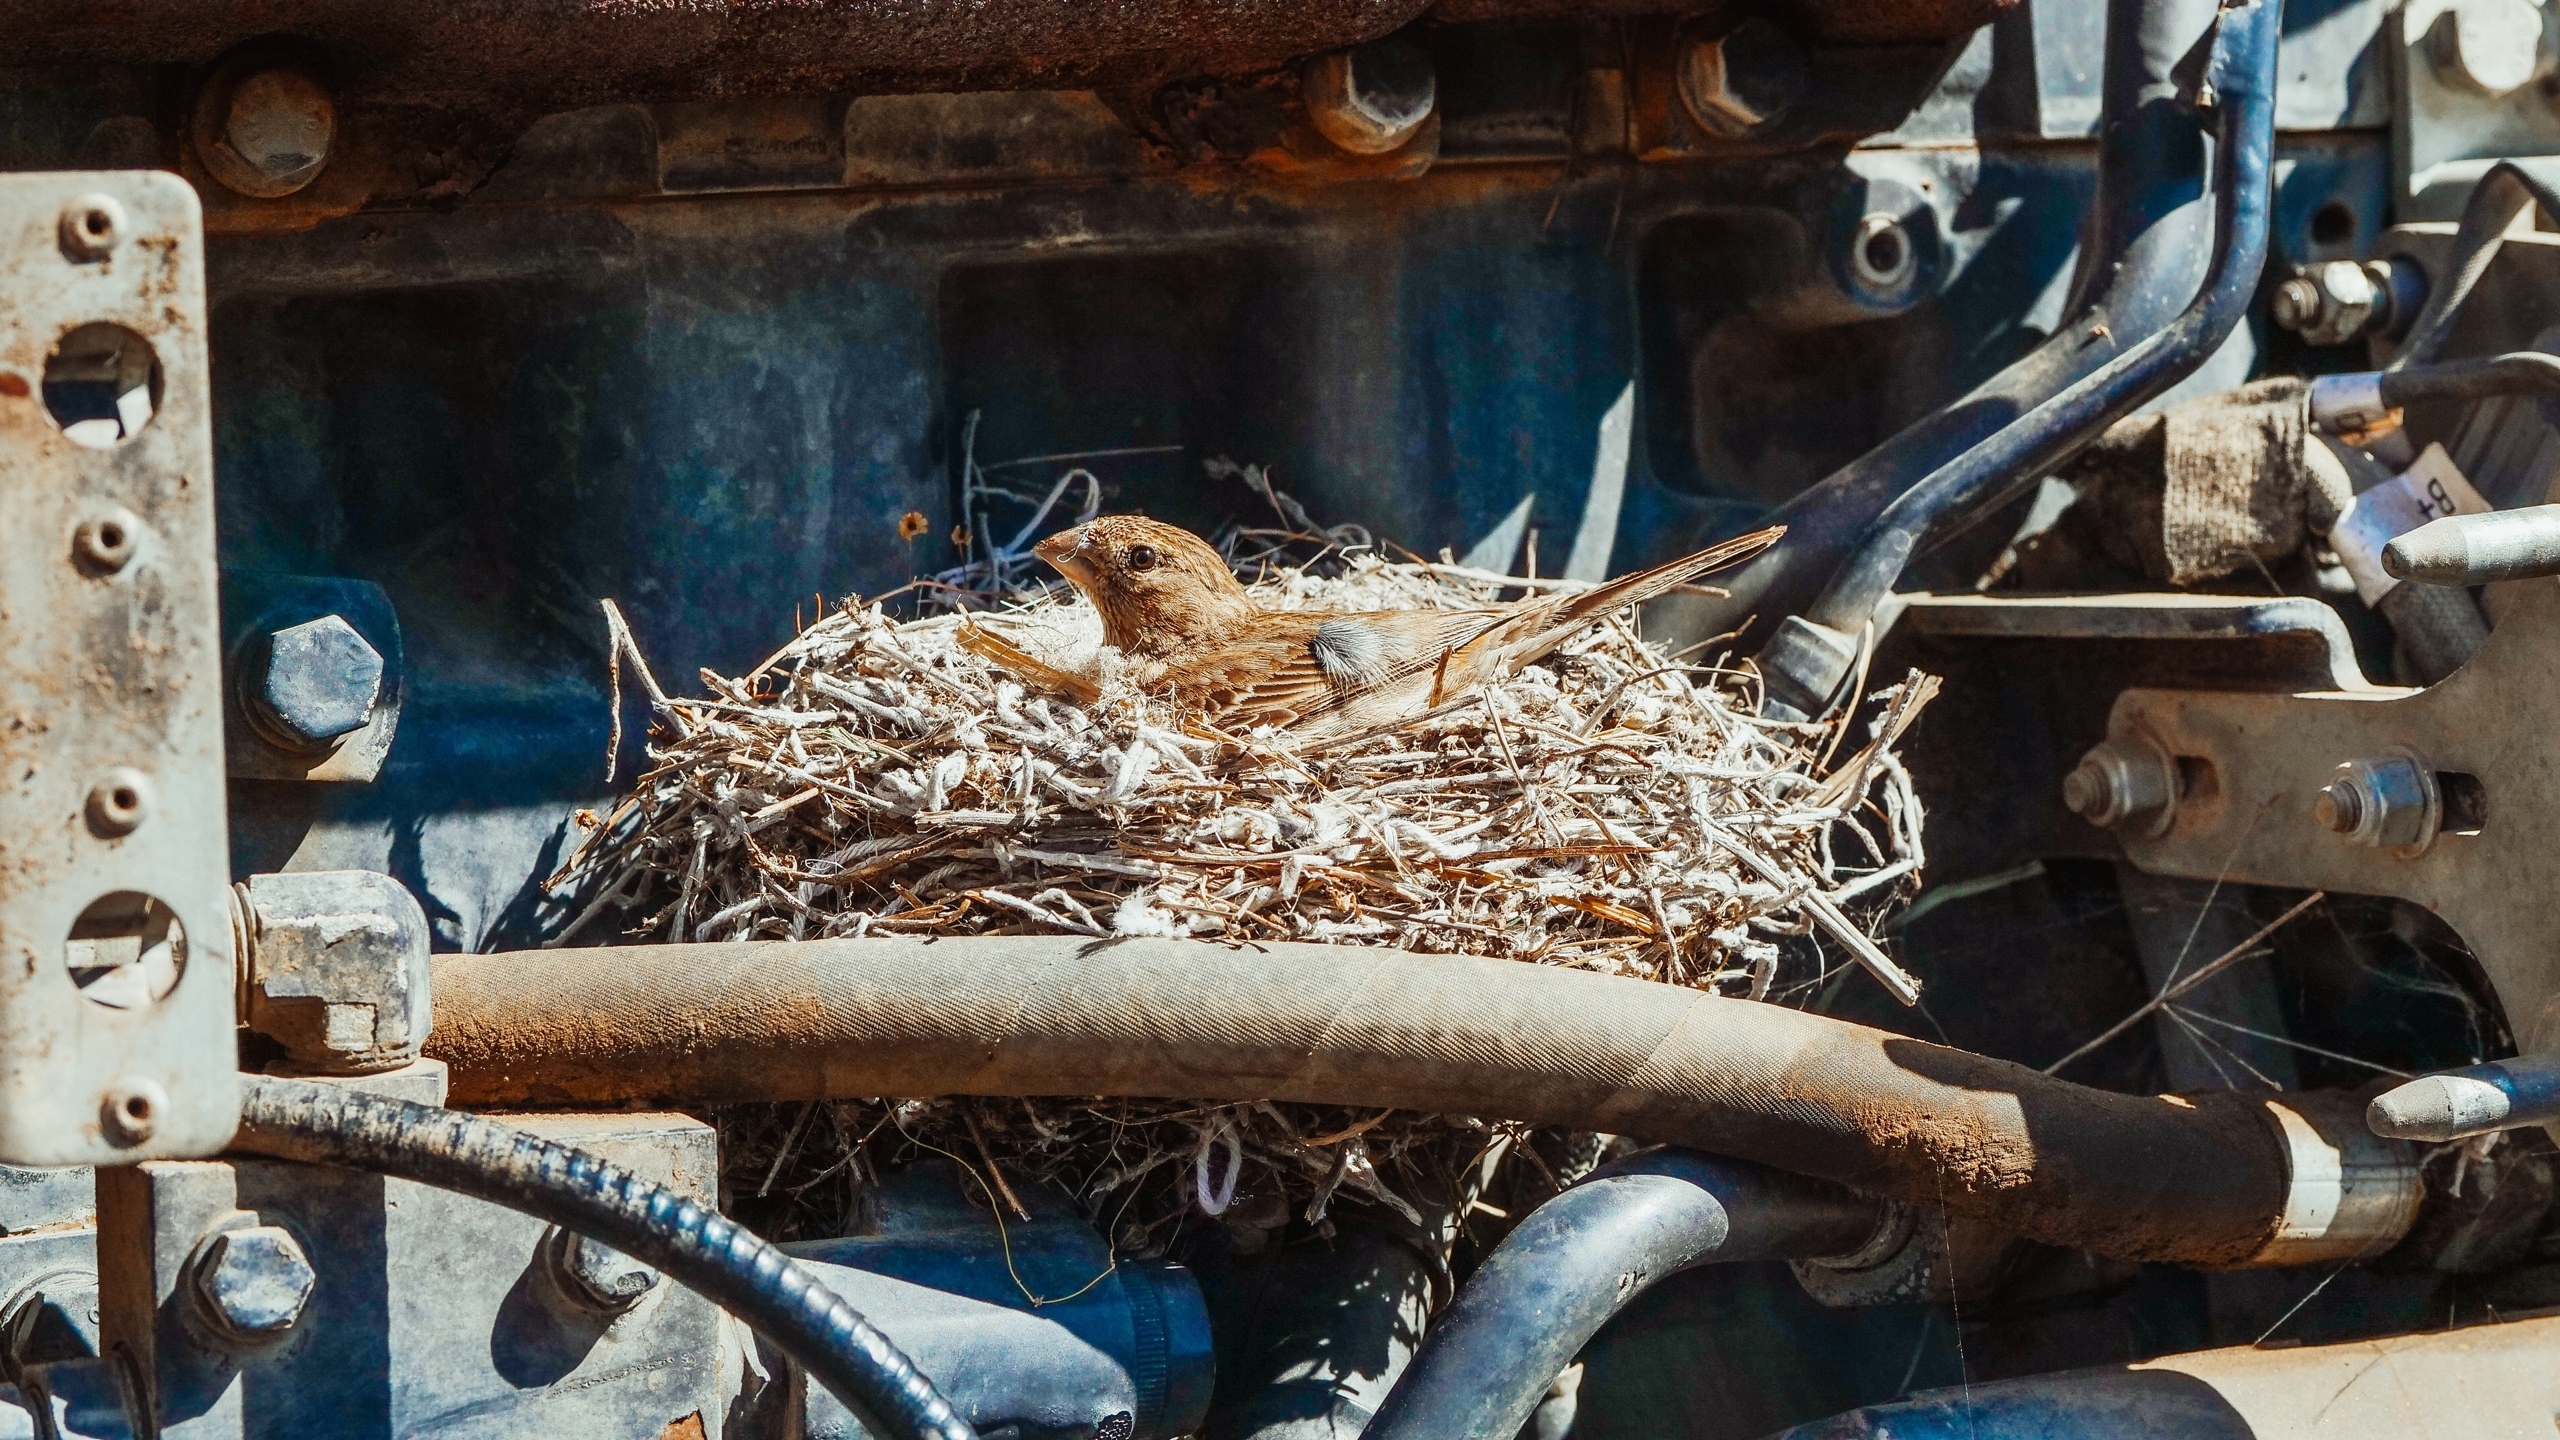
<point x="2350" y="406"/>
<point x="2335" y="301"/>
<point x="2125" y="784"/>
<point x="1802" y="668"/>
<point x="2475" y="1100"/>
<point x="2390" y="800"/>
<point x="2349" y="1194"/>
<point x="251" y="1284"/>
<point x="1372" y="99"/>
<point x="593" y="1275"/>
<point x="2468" y="550"/>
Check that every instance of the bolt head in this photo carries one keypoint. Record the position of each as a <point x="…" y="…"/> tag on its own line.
<point x="1742" y="80"/>
<point x="1372" y="99"/>
<point x="2488" y="47"/>
<point x="280" y="122"/>
<point x="255" y="1282"/>
<point x="602" y="1277"/>
<point x="320" y="682"/>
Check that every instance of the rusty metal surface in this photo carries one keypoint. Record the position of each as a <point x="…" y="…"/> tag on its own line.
<point x="110" y="711"/>
<point x="2251" y="816"/>
<point x="562" y="53"/>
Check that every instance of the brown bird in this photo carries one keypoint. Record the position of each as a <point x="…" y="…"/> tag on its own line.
<point x="1169" y="603"/>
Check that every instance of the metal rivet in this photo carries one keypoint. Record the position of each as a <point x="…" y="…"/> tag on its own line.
<point x="131" y="1111"/>
<point x="265" y="132"/>
<point x="105" y="541"/>
<point x="120" y="801"/>
<point x="92" y="226"/>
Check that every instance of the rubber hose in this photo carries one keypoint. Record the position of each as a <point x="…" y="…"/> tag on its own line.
<point x="773" y="1293"/>
<point x="2521" y="372"/>
<point x="1583" y="1256"/>
<point x="2201" y="1180"/>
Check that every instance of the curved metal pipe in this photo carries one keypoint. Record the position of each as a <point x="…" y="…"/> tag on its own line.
<point x="2498" y="1379"/>
<point x="1809" y="655"/>
<point x="2140" y="260"/>
<point x="1587" y="1254"/>
<point x="2204" y="1180"/>
<point x="2500" y="199"/>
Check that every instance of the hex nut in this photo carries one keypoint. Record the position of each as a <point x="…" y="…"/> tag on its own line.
<point x="595" y="1276"/>
<point x="253" y="1283"/>
<point x="315" y="683"/>
<point x="1742" y="80"/>
<point x="92" y="226"/>
<point x="1372" y="99"/>
<point x="2391" y="801"/>
<point x="2124" y="784"/>
<point x="119" y="802"/>
<point x="264" y="131"/>
<point x="336" y="964"/>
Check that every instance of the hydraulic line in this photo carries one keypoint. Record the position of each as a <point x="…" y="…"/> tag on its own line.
<point x="774" y="1294"/>
<point x="2208" y="1180"/>
<point x="1585" y="1255"/>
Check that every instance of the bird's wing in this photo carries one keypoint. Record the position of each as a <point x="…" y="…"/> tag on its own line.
<point x="1535" y="627"/>
<point x="1295" y="672"/>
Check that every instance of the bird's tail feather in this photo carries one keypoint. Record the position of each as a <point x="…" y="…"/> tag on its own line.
<point x="1652" y="584"/>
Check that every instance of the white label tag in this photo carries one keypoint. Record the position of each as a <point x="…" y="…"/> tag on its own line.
<point x="2428" y="490"/>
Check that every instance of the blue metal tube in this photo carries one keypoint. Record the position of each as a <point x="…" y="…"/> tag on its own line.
<point x="2142" y="258"/>
<point x="1803" y="671"/>
<point x="777" y="1296"/>
<point x="1585" y="1255"/>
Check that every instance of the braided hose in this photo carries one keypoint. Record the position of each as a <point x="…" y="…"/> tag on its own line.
<point x="777" y="1296"/>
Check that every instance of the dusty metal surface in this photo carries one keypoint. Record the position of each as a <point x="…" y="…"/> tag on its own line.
<point x="560" y="53"/>
<point x="2259" y="764"/>
<point x="115" y="942"/>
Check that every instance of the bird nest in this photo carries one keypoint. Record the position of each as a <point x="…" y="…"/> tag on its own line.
<point x="1612" y="808"/>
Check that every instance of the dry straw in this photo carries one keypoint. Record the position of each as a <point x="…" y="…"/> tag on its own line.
<point x="1611" y="808"/>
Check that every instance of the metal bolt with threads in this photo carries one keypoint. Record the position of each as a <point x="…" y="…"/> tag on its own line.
<point x="2129" y="784"/>
<point x="252" y="1283"/>
<point x="2390" y="800"/>
<point x="315" y="683"/>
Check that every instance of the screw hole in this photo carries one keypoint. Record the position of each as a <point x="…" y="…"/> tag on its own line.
<point x="2333" y="223"/>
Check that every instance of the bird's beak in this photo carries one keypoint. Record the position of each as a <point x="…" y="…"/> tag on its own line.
<point x="1065" y="550"/>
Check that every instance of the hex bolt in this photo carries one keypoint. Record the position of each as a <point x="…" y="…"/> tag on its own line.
<point x="2487" y="47"/>
<point x="594" y="1275"/>
<point x="2334" y="302"/>
<point x="2128" y="784"/>
<point x="1371" y="99"/>
<point x="313" y="684"/>
<point x="252" y="1283"/>
<point x="1743" y="80"/>
<point x="91" y="227"/>
<point x="2390" y="801"/>
<point x="265" y="132"/>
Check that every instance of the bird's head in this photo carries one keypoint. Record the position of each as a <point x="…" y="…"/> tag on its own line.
<point x="1160" y="589"/>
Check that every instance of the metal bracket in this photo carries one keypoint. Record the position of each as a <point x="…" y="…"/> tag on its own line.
<point x="2262" y="762"/>
<point x="116" y="984"/>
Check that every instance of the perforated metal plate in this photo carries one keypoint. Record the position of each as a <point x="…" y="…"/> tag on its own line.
<point x="116" y="974"/>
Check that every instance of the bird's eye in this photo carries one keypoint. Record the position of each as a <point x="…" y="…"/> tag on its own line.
<point x="1141" y="557"/>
